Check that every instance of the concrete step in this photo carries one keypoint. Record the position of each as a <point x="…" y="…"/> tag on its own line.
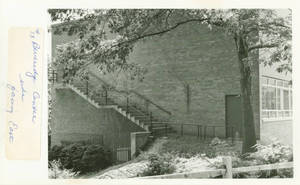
<point x="140" y="116"/>
<point x="132" y="109"/>
<point x="137" y="113"/>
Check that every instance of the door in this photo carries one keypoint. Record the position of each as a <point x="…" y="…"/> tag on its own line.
<point x="233" y="116"/>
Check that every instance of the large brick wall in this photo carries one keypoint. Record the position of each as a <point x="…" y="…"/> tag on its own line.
<point x="192" y="54"/>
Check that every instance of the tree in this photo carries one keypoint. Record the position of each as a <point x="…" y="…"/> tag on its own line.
<point x="254" y="31"/>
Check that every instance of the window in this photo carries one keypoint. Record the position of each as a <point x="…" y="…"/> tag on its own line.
<point x="276" y="98"/>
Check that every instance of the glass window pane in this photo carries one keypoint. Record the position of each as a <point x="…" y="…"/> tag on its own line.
<point x="291" y="96"/>
<point x="271" y="98"/>
<point x="264" y="98"/>
<point x="264" y="80"/>
<point x="278" y="99"/>
<point x="279" y="83"/>
<point x="286" y="105"/>
<point x="290" y="83"/>
<point x="286" y="84"/>
<point x="272" y="81"/>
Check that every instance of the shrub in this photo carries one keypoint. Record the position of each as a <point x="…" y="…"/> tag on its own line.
<point x="81" y="157"/>
<point x="96" y="157"/>
<point x="269" y="154"/>
<point x="187" y="147"/>
<point x="265" y="154"/>
<point x="159" y="165"/>
<point x="54" y="152"/>
<point x="56" y="171"/>
<point x="272" y="153"/>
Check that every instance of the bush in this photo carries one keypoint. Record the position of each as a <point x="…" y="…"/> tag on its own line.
<point x="187" y="147"/>
<point x="265" y="154"/>
<point x="269" y="154"/>
<point x="81" y="157"/>
<point x="56" y="171"/>
<point x="272" y="153"/>
<point x="54" y="152"/>
<point x="159" y="165"/>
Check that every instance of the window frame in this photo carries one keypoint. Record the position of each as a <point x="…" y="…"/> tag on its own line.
<point x="281" y="85"/>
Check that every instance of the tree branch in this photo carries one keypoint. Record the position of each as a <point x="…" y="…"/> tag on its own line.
<point x="161" y="32"/>
<point x="259" y="46"/>
<point x="152" y="34"/>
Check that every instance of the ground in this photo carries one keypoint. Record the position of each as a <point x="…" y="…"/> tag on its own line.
<point x="189" y="154"/>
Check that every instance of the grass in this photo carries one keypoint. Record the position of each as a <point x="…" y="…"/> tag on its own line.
<point x="188" y="146"/>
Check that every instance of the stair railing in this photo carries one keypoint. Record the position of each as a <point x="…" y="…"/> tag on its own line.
<point x="132" y="99"/>
<point x="103" y="94"/>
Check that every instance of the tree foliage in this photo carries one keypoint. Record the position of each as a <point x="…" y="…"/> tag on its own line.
<point x="259" y="28"/>
<point x="106" y="38"/>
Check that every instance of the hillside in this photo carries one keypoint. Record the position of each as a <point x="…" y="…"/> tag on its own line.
<point x="187" y="154"/>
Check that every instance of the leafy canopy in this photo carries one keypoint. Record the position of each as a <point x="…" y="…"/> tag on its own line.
<point x="106" y="37"/>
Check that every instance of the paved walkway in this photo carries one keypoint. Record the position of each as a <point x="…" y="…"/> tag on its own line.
<point x="130" y="170"/>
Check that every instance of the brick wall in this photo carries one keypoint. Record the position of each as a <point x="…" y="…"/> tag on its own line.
<point x="204" y="59"/>
<point x="279" y="130"/>
<point x="192" y="54"/>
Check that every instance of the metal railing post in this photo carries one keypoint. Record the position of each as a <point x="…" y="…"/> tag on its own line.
<point x="181" y="129"/>
<point x="87" y="88"/>
<point x="166" y="129"/>
<point x="106" y="96"/>
<point x="146" y="105"/>
<point x="151" y="124"/>
<point x="204" y="132"/>
<point x="201" y="132"/>
<point x="232" y="135"/>
<point x="127" y="102"/>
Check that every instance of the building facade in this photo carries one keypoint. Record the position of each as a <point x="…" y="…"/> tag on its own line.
<point x="192" y="72"/>
<point x="276" y="110"/>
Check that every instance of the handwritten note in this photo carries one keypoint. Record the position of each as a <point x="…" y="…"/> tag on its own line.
<point x="23" y="92"/>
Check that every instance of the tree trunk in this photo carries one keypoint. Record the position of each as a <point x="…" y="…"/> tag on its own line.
<point x="249" y="137"/>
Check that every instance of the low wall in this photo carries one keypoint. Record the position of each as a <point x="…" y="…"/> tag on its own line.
<point x="75" y="119"/>
<point x="281" y="130"/>
<point x="138" y="140"/>
<point x="61" y="137"/>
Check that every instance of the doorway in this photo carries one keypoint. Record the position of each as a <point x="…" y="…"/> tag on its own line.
<point x="233" y="115"/>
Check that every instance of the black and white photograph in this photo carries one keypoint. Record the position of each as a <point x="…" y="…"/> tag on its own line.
<point x="170" y="93"/>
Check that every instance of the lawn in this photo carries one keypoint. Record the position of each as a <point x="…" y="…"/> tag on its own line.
<point x="188" y="146"/>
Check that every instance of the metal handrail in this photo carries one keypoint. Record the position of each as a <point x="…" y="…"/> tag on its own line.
<point x="130" y="92"/>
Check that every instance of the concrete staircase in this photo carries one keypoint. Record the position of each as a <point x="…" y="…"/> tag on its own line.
<point x="100" y="99"/>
